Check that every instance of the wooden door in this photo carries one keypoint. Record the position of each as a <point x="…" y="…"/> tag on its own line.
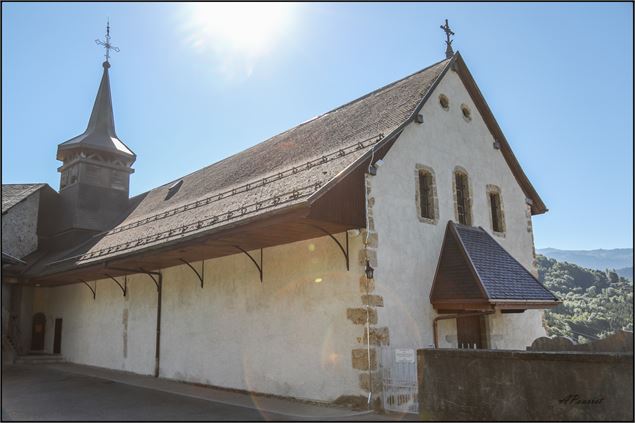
<point x="57" y="341"/>
<point x="37" y="334"/>
<point x="469" y="332"/>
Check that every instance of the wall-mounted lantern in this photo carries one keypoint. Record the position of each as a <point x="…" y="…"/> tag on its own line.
<point x="369" y="270"/>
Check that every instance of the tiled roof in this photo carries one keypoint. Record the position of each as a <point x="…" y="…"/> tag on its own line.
<point x="12" y="194"/>
<point x="502" y="276"/>
<point x="281" y="171"/>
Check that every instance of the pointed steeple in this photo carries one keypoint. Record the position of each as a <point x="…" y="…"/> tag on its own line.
<point x="96" y="165"/>
<point x="100" y="134"/>
<point x="102" y="119"/>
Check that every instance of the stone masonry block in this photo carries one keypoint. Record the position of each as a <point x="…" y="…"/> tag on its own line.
<point x="373" y="239"/>
<point x="358" y="315"/>
<point x="366" y="285"/>
<point x="378" y="336"/>
<point x="374" y="380"/>
<point x="360" y="359"/>
<point x="369" y="254"/>
<point x="373" y="300"/>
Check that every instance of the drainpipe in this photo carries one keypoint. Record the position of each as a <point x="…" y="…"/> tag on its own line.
<point x="158" y="281"/>
<point x="370" y="372"/>
<point x="158" y="337"/>
<point x="453" y="316"/>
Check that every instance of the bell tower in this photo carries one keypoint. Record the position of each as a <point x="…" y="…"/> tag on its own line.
<point x="96" y="165"/>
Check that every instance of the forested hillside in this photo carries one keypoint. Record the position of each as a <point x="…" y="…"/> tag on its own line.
<point x="620" y="259"/>
<point x="595" y="303"/>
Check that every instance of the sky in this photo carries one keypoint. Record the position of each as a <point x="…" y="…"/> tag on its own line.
<point x="195" y="83"/>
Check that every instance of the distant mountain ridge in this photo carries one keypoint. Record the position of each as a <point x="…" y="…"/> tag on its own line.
<point x="620" y="259"/>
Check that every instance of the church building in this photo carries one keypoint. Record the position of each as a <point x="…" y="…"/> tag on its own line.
<point x="400" y="220"/>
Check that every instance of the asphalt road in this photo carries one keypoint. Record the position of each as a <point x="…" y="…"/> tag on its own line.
<point x="38" y="393"/>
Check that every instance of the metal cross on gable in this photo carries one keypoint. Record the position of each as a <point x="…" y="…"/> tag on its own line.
<point x="106" y="43"/>
<point x="448" y="49"/>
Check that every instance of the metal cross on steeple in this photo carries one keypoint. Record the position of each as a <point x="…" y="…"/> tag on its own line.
<point x="107" y="44"/>
<point x="448" y="49"/>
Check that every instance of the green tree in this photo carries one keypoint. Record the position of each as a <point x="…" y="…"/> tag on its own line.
<point x="594" y="303"/>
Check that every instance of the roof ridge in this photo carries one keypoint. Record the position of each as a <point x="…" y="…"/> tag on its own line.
<point x="14" y="194"/>
<point x="468" y="227"/>
<point x="300" y="124"/>
<point x="466" y="254"/>
<point x="363" y="96"/>
<point x="29" y="184"/>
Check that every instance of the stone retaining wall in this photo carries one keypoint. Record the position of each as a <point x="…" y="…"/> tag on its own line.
<point x="522" y="385"/>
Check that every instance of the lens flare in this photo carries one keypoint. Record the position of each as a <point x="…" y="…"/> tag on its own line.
<point x="248" y="28"/>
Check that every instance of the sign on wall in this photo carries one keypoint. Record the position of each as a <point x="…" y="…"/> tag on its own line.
<point x="404" y="355"/>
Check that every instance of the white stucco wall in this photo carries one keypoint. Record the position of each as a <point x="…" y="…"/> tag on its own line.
<point x="408" y="249"/>
<point x="287" y="336"/>
<point x="19" y="227"/>
<point x="97" y="332"/>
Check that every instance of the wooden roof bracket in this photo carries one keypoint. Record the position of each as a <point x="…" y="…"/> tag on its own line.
<point x="344" y="251"/>
<point x="200" y="276"/>
<point x="124" y="287"/>
<point x="94" y="291"/>
<point x="258" y="266"/>
<point x="152" y="275"/>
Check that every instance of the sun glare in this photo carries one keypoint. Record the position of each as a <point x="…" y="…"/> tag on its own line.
<point x="250" y="29"/>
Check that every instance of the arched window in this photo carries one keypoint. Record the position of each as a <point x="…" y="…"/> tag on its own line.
<point x="462" y="197"/>
<point x="496" y="209"/>
<point x="426" y="195"/>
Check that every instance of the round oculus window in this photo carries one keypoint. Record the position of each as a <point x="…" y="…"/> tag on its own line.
<point x="467" y="114"/>
<point x="444" y="102"/>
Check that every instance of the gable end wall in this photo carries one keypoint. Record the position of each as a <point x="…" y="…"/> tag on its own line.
<point x="408" y="249"/>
